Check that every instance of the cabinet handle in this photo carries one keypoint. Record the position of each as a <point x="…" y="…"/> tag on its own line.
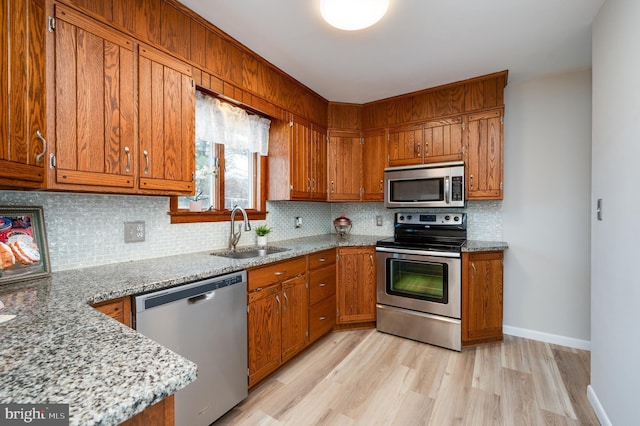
<point x="333" y="187"/>
<point x="418" y="149"/>
<point x="381" y="186"/>
<point x="426" y="149"/>
<point x="322" y="259"/>
<point x="286" y="300"/>
<point x="308" y="184"/>
<point x="128" y="167"/>
<point x="470" y="181"/>
<point x="44" y="146"/>
<point x="473" y="266"/>
<point x="313" y="184"/>
<point x="277" y="274"/>
<point x="146" y="159"/>
<point x="322" y="318"/>
<point x="371" y="260"/>
<point x="278" y="300"/>
<point x="321" y="285"/>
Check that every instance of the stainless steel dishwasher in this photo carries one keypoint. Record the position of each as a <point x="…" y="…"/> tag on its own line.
<point x="206" y="322"/>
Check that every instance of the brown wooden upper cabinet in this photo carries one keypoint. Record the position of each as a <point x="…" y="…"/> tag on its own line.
<point x="95" y="146"/>
<point x="297" y="160"/>
<point x="345" y="166"/>
<point x="23" y="116"/>
<point x="433" y="141"/>
<point x="94" y="105"/>
<point x="374" y="159"/>
<point x="484" y="155"/>
<point x="166" y="126"/>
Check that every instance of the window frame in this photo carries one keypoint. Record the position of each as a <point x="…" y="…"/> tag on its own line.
<point x="224" y="215"/>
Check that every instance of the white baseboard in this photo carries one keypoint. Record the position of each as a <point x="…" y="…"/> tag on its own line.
<point x="597" y="407"/>
<point x="548" y="338"/>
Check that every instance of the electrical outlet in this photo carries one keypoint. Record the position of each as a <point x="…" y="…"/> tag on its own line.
<point x="134" y="232"/>
<point x="378" y="220"/>
<point x="298" y="222"/>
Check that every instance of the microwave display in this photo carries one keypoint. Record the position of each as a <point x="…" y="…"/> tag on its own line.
<point x="417" y="190"/>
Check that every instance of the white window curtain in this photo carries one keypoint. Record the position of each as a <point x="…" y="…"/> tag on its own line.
<point x="223" y="123"/>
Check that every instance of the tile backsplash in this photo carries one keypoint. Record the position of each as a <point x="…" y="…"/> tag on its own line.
<point x="88" y="229"/>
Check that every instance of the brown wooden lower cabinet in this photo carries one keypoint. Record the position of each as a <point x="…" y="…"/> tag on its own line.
<point x="277" y="315"/>
<point x="322" y="293"/>
<point x="482" y="283"/>
<point x="356" y="287"/>
<point x="161" y="413"/>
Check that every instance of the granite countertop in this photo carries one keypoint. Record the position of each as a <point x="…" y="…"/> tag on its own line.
<point x="60" y="350"/>
<point x="475" y="245"/>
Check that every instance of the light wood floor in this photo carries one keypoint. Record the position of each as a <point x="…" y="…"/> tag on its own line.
<point x="365" y="377"/>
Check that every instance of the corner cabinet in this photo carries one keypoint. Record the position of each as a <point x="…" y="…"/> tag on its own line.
<point x="484" y="155"/>
<point x="22" y="117"/>
<point x="97" y="71"/>
<point x="482" y="306"/>
<point x="356" y="286"/>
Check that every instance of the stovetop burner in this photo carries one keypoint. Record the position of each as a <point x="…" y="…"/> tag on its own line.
<point x="444" y="232"/>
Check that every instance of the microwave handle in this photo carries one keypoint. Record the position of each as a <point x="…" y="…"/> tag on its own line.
<point x="447" y="190"/>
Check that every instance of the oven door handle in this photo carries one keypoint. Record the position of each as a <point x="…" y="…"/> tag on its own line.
<point x="418" y="252"/>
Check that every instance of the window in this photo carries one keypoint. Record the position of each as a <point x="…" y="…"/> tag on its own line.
<point x="230" y="147"/>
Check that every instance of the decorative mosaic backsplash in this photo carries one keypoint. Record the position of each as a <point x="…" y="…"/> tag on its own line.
<point x="88" y="229"/>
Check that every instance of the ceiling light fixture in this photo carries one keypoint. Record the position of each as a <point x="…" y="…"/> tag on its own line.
<point x="353" y="15"/>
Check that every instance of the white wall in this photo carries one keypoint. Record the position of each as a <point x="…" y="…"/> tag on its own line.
<point x="615" y="292"/>
<point x="546" y="208"/>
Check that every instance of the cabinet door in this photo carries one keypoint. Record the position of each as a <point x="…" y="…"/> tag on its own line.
<point x="118" y="309"/>
<point x="406" y="145"/>
<point x="166" y="96"/>
<point x="345" y="166"/>
<point x="94" y="75"/>
<point x="482" y="297"/>
<point x="375" y="158"/>
<point x="356" y="287"/>
<point x="22" y="93"/>
<point x="300" y="161"/>
<point x="264" y="332"/>
<point x="318" y="160"/>
<point x="295" y="316"/>
<point x="484" y="155"/>
<point x="443" y="140"/>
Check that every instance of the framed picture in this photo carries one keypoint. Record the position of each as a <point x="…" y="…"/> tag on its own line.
<point x="24" y="253"/>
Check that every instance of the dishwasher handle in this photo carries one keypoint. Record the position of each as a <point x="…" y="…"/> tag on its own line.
<point x="201" y="298"/>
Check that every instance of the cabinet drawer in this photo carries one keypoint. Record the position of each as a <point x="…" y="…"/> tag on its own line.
<point x="322" y="318"/>
<point x="322" y="258"/>
<point x="322" y="284"/>
<point x="263" y="292"/>
<point x="275" y="273"/>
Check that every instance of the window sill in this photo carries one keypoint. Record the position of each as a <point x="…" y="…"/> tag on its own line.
<point x="185" y="216"/>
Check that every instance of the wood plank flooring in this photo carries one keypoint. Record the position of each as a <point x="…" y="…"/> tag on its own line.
<point x="364" y="377"/>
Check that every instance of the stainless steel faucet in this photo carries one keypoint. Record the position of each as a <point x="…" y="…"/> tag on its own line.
<point x="235" y="236"/>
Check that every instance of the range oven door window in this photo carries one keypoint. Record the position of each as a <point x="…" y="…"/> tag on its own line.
<point x="418" y="280"/>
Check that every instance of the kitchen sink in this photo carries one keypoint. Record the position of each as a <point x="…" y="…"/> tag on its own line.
<point x="249" y="252"/>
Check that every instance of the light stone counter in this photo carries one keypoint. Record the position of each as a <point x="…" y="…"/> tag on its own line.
<point x="60" y="350"/>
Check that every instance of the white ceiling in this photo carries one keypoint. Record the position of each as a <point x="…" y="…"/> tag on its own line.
<point x="417" y="45"/>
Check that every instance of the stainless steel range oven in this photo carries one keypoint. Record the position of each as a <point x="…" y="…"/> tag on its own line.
<point x="419" y="280"/>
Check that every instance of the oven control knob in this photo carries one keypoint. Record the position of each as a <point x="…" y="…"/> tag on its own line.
<point x="409" y="217"/>
<point x="456" y="218"/>
<point x="401" y="217"/>
<point x="447" y="218"/>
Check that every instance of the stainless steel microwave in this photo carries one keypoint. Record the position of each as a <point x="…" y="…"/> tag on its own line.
<point x="427" y="185"/>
